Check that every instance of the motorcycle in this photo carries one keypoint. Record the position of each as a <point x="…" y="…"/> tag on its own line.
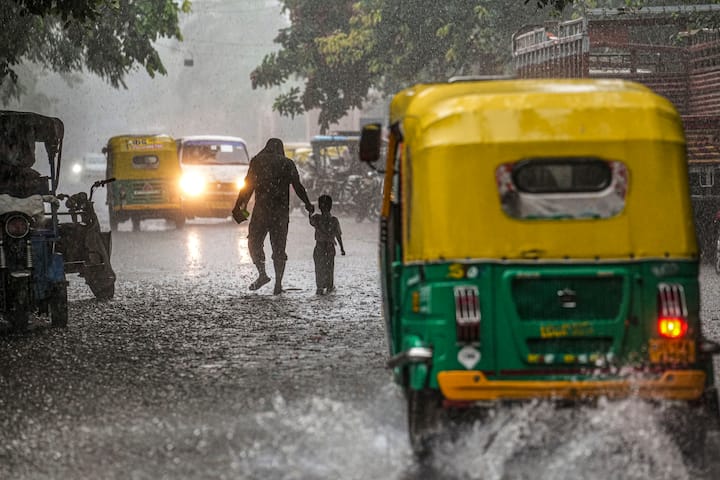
<point x="85" y="247"/>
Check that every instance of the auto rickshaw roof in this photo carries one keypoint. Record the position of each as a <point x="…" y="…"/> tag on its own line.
<point x="437" y="102"/>
<point x="121" y="142"/>
<point x="140" y="135"/>
<point x="459" y="138"/>
<point x="49" y="130"/>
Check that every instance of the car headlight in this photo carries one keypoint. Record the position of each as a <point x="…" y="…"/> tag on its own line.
<point x="76" y="168"/>
<point x="192" y="184"/>
<point x="240" y="183"/>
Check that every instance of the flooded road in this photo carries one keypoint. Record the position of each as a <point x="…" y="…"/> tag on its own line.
<point x="186" y="374"/>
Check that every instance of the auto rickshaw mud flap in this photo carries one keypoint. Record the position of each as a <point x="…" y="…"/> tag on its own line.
<point x="101" y="280"/>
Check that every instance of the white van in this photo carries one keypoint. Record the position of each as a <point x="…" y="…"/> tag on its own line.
<point x="214" y="169"/>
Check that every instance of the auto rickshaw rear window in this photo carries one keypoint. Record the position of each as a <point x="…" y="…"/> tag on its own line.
<point x="562" y="188"/>
<point x="562" y="175"/>
<point x="146" y="162"/>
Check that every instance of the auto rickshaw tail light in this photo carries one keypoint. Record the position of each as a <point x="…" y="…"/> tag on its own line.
<point x="672" y="311"/>
<point x="467" y="313"/>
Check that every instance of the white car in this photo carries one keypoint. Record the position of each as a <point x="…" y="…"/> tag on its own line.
<point x="214" y="169"/>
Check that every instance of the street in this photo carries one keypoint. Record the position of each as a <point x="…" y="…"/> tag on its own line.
<point x="186" y="374"/>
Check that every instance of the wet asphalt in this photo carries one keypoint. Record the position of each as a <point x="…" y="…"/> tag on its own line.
<point x="186" y="374"/>
<point x="149" y="384"/>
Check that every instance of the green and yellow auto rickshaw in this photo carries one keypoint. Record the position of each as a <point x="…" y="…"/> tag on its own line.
<point x="147" y="176"/>
<point x="537" y="242"/>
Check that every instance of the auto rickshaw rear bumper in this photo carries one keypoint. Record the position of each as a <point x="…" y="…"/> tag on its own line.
<point x="469" y="386"/>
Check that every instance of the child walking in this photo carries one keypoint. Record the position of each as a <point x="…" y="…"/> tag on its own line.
<point x="327" y="230"/>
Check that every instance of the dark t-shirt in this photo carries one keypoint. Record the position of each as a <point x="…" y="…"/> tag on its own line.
<point x="327" y="228"/>
<point x="270" y="176"/>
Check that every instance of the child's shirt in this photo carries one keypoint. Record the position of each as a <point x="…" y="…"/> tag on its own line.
<point x="327" y="227"/>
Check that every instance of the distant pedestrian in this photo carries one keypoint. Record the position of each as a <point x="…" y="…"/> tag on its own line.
<point x="270" y="175"/>
<point x="327" y="231"/>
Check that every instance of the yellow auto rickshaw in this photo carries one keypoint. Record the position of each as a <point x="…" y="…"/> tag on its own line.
<point x="537" y="243"/>
<point x="147" y="179"/>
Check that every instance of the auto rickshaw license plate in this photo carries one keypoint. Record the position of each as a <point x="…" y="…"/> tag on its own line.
<point x="672" y="351"/>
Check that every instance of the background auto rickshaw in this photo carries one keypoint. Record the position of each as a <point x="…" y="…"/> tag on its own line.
<point x="32" y="275"/>
<point x="333" y="169"/>
<point x="147" y="179"/>
<point x="298" y="152"/>
<point x="537" y="242"/>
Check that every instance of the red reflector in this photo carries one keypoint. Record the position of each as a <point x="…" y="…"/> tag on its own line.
<point x="467" y="313"/>
<point x="672" y="327"/>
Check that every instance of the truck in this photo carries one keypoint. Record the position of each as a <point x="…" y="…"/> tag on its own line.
<point x="669" y="50"/>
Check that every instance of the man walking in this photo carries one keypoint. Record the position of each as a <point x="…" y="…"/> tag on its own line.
<point x="270" y="175"/>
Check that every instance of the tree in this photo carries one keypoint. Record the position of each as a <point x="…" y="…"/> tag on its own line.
<point x="107" y="37"/>
<point x="346" y="49"/>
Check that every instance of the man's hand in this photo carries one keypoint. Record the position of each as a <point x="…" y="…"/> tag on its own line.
<point x="310" y="208"/>
<point x="342" y="252"/>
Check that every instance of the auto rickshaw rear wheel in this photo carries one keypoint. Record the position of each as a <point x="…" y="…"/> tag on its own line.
<point x="180" y="221"/>
<point x="425" y="419"/>
<point x="58" y="306"/>
<point x="135" y="223"/>
<point x="113" y="219"/>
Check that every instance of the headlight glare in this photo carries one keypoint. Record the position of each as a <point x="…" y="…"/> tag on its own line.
<point x="192" y="184"/>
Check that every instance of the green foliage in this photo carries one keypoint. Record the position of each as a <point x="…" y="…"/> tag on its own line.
<point x="344" y="50"/>
<point x="106" y="37"/>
